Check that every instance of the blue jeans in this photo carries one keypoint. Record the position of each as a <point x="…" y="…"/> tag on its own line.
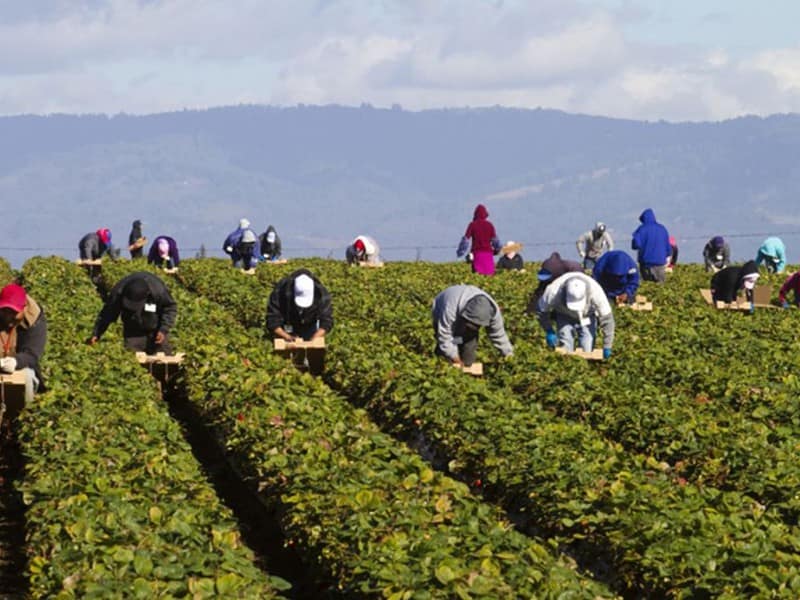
<point x="569" y="329"/>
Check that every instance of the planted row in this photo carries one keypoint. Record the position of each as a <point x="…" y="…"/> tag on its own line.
<point x="373" y="517"/>
<point x="661" y="535"/>
<point x="117" y="505"/>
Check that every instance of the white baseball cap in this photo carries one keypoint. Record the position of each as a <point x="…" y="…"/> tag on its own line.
<point x="303" y="291"/>
<point x="244" y="223"/>
<point x="576" y="294"/>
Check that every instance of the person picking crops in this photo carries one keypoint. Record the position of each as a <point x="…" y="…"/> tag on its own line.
<point x="94" y="245"/>
<point x="164" y="253"/>
<point x="593" y="244"/>
<point x="299" y="307"/>
<point x="485" y="243"/>
<point x="651" y="239"/>
<point x="458" y="314"/>
<point x="23" y="335"/>
<point x="240" y="245"/>
<point x="576" y="303"/>
<point x="136" y="240"/>
<point x="270" y="244"/>
<point x="791" y="284"/>
<point x="716" y="254"/>
<point x="617" y="274"/>
<point x="147" y="310"/>
<point x="552" y="268"/>
<point x="772" y="254"/>
<point x="511" y="259"/>
<point x="364" y="249"/>
<point x="727" y="283"/>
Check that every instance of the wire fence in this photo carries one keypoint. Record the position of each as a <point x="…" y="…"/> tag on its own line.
<point x="690" y="249"/>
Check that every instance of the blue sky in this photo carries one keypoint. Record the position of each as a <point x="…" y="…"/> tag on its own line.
<point x="642" y="59"/>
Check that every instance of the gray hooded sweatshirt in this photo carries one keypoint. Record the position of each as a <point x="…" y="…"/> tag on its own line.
<point x="453" y="305"/>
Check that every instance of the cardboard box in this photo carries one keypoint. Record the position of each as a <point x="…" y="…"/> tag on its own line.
<point x="639" y="303"/>
<point x="596" y="354"/>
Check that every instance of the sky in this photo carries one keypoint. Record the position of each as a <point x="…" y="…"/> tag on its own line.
<point x="676" y="60"/>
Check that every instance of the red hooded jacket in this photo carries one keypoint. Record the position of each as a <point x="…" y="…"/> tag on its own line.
<point x="481" y="231"/>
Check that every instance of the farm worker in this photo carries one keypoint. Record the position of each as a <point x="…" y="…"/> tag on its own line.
<point x="485" y="243"/>
<point x="270" y="244"/>
<point x="94" y="245"/>
<point x="593" y="244"/>
<point x="651" y="239"/>
<point x="791" y="284"/>
<point x="552" y="268"/>
<point x="458" y="314"/>
<point x="299" y="307"/>
<point x="672" y="260"/>
<point x="727" y="283"/>
<point x="146" y="309"/>
<point x="772" y="253"/>
<point x="716" y="254"/>
<point x="164" y="253"/>
<point x="511" y="259"/>
<point x="577" y="303"/>
<point x="136" y="240"/>
<point x="617" y="274"/>
<point x="363" y="249"/>
<point x="23" y="334"/>
<point x="239" y="250"/>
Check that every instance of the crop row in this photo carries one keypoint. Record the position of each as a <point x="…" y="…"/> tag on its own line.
<point x="664" y="393"/>
<point x="117" y="505"/>
<point x="371" y="515"/>
<point x="584" y="491"/>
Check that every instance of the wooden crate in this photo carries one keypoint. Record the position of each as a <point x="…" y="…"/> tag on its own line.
<point x="12" y="394"/>
<point x="596" y="354"/>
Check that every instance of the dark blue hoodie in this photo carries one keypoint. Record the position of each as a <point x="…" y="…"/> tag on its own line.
<point x="651" y="239"/>
<point x="617" y="274"/>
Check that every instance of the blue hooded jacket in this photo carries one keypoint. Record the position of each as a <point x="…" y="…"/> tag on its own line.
<point x="617" y="273"/>
<point x="772" y="248"/>
<point x="651" y="239"/>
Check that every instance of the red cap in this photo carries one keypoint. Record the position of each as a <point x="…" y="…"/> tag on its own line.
<point x="13" y="296"/>
<point x="359" y="245"/>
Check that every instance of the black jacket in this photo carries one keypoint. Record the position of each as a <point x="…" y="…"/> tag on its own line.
<point x="282" y="310"/>
<point x="91" y="246"/>
<point x="143" y="322"/>
<point x="725" y="284"/>
<point x="270" y="251"/>
<point x="510" y="263"/>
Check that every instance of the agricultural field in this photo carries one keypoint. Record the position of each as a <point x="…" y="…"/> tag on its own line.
<point x="667" y="471"/>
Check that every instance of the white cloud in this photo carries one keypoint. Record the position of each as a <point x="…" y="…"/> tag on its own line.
<point x="152" y="55"/>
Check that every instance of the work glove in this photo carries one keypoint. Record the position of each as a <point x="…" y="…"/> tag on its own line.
<point x="229" y="249"/>
<point x="752" y="308"/>
<point x="785" y="304"/>
<point x="8" y="364"/>
<point x="551" y="338"/>
<point x="606" y="353"/>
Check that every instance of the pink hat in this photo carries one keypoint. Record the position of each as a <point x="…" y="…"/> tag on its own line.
<point x="13" y="296"/>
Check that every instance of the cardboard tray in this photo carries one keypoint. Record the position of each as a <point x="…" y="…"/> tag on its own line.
<point x="12" y="393"/>
<point x="596" y="354"/>
<point x="282" y="345"/>
<point x="160" y="358"/>
<point x="249" y="271"/>
<point x="170" y="271"/>
<point x="370" y="265"/>
<point x="282" y="261"/>
<point x="89" y="262"/>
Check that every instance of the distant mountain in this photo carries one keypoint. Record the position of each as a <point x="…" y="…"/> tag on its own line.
<point x="322" y="175"/>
